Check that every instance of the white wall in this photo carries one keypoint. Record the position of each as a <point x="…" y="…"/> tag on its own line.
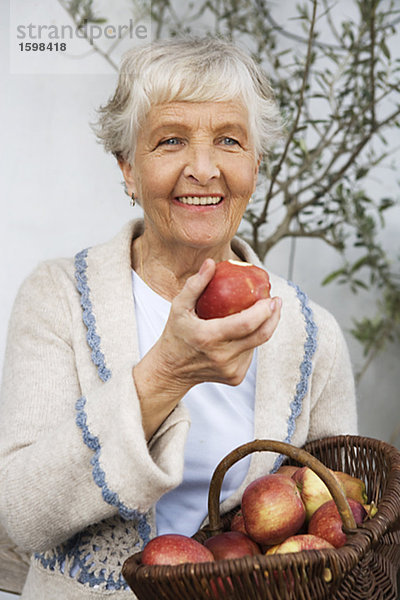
<point x="60" y="193"/>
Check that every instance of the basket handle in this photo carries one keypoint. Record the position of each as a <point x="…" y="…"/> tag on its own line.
<point x="298" y="454"/>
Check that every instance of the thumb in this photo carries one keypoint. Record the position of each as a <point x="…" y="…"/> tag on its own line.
<point x="195" y="285"/>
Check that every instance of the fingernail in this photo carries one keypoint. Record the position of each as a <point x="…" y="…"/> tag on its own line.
<point x="276" y="303"/>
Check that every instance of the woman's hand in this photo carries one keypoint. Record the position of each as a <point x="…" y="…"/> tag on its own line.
<point x="192" y="350"/>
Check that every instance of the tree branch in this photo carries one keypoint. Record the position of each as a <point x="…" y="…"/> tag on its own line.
<point x="95" y="47"/>
<point x="334" y="178"/>
<point x="372" y="63"/>
<point x="264" y="212"/>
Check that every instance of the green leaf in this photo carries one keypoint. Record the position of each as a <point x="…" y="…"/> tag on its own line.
<point x="361" y="172"/>
<point x="361" y="262"/>
<point x="385" y="49"/>
<point x="333" y="275"/>
<point x="386" y="203"/>
<point x="360" y="283"/>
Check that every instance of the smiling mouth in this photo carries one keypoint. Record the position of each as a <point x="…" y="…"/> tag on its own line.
<point x="200" y="200"/>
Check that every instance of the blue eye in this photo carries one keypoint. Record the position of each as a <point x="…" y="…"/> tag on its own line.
<point x="171" y="141"/>
<point x="229" y="141"/>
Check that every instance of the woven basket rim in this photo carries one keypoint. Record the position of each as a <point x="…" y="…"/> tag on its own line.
<point x="264" y="562"/>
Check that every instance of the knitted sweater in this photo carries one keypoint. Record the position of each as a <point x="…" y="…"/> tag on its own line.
<point x="78" y="480"/>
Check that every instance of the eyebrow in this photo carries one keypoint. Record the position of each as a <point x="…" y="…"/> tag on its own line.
<point x="232" y="126"/>
<point x="176" y="124"/>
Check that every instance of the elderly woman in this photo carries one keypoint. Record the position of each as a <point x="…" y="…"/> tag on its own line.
<point x="118" y="402"/>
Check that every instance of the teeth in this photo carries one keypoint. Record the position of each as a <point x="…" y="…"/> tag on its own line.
<point x="197" y="200"/>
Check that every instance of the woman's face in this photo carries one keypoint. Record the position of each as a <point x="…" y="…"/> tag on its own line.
<point x="194" y="171"/>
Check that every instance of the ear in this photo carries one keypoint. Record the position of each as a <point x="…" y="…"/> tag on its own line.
<point x="127" y="172"/>
<point x="256" y="169"/>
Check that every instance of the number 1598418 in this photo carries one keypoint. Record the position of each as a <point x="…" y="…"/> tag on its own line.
<point x="42" y="46"/>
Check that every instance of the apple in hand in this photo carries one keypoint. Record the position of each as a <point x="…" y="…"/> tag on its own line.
<point x="354" y="488"/>
<point x="327" y="523"/>
<point x="231" y="544"/>
<point x="272" y="509"/>
<point x="313" y="490"/>
<point x="234" y="287"/>
<point x="174" y="549"/>
<point x="298" y="543"/>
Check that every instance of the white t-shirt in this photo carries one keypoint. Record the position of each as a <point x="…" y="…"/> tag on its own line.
<point x="222" y="418"/>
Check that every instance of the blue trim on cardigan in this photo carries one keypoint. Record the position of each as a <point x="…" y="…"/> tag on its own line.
<point x="310" y="346"/>
<point x="112" y="498"/>
<point x="71" y="549"/>
<point x="88" y="317"/>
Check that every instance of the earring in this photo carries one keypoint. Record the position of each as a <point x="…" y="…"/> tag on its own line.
<point x="133" y="200"/>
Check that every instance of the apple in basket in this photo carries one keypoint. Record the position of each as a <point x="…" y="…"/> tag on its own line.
<point x="354" y="488"/>
<point x="288" y="470"/>
<point x="174" y="549"/>
<point x="237" y="523"/>
<point x="234" y="287"/>
<point x="272" y="509"/>
<point x="327" y="523"/>
<point x="231" y="544"/>
<point x="298" y="543"/>
<point x="313" y="490"/>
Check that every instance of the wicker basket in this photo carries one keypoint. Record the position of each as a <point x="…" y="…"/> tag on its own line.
<point x="365" y="568"/>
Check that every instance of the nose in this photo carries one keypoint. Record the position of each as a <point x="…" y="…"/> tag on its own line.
<point x="201" y="164"/>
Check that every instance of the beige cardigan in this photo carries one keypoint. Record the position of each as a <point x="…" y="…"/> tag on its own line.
<point x="78" y="481"/>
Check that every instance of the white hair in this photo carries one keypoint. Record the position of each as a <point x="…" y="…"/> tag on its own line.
<point x="186" y="70"/>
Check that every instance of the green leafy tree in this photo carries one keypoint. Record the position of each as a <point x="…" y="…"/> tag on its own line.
<point x="338" y="86"/>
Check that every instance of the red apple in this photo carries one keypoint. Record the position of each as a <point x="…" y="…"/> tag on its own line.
<point x="326" y="521"/>
<point x="354" y="488"/>
<point x="231" y="544"/>
<point x="234" y="287"/>
<point x="313" y="490"/>
<point x="174" y="549"/>
<point x="237" y="523"/>
<point x="288" y="470"/>
<point x="298" y="543"/>
<point x="272" y="509"/>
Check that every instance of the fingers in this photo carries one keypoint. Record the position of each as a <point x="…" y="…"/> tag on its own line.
<point x="230" y="337"/>
<point x="215" y="349"/>
<point x="261" y="318"/>
<point x="267" y="327"/>
<point x="195" y="284"/>
<point x="257" y="327"/>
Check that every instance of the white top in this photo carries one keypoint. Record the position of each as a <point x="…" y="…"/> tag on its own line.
<point x="222" y="418"/>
